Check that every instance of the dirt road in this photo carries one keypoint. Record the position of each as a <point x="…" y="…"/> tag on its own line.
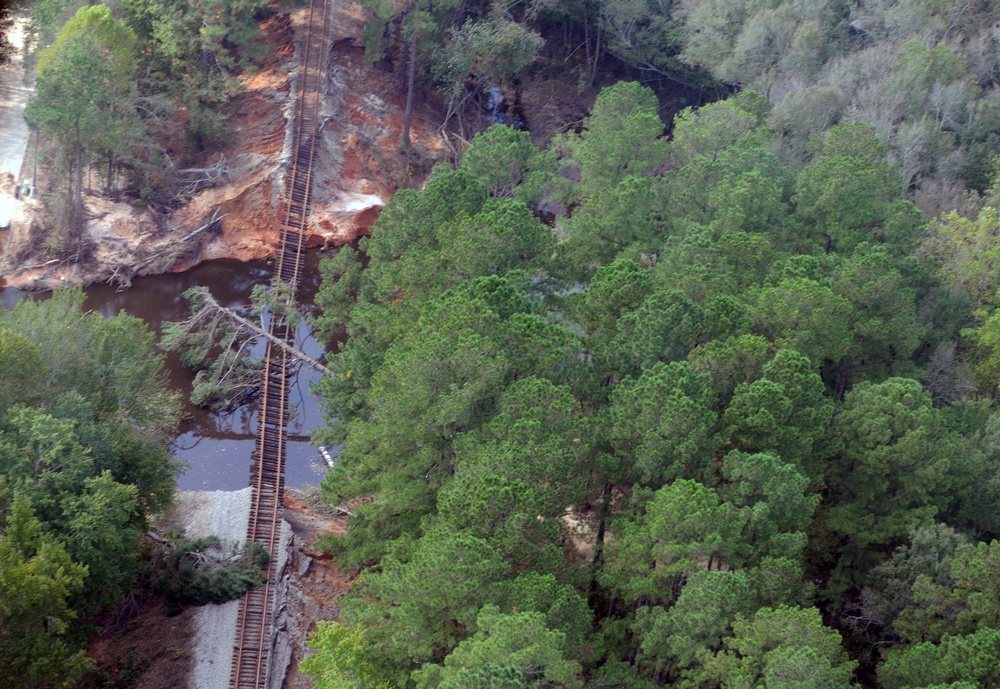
<point x="13" y="96"/>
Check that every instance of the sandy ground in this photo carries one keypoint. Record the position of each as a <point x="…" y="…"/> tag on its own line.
<point x="223" y="514"/>
<point x="193" y="650"/>
<point x="13" y="97"/>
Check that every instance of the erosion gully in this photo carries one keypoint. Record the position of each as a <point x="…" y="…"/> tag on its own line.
<point x="216" y="447"/>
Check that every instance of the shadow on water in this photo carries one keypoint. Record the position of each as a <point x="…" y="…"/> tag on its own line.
<point x="216" y="448"/>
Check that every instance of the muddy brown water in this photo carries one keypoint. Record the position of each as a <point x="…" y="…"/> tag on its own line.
<point x="216" y="448"/>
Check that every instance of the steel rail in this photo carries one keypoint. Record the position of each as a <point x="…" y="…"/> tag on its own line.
<point x="251" y="652"/>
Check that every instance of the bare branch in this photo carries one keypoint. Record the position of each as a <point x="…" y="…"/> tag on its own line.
<point x="207" y="303"/>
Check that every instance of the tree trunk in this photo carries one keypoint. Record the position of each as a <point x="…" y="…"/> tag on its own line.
<point x="207" y="301"/>
<point x="843" y="380"/>
<point x="597" y="57"/>
<point x="599" y="541"/>
<point x="404" y="61"/>
<point x="78" y="197"/>
<point x="410" y="85"/>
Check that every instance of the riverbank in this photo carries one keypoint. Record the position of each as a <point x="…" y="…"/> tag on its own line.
<point x="360" y="167"/>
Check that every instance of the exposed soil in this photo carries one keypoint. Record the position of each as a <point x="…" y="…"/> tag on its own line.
<point x="150" y="650"/>
<point x="139" y="646"/>
<point x="360" y="167"/>
<point x="316" y="583"/>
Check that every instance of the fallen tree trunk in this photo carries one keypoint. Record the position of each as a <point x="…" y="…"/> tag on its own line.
<point x="207" y="303"/>
<point x="216" y="218"/>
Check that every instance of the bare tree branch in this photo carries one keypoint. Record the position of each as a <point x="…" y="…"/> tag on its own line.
<point x="207" y="304"/>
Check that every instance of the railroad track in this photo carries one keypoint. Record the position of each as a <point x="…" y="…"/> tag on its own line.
<point x="252" y="650"/>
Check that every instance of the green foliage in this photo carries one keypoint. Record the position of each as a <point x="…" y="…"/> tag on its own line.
<point x="428" y="599"/>
<point x="192" y="42"/>
<point x="564" y="609"/>
<point x="430" y="19"/>
<point x="408" y="265"/>
<point x="85" y="97"/>
<point x="440" y="380"/>
<point x="489" y="676"/>
<point x="894" y="471"/>
<point x="84" y="419"/>
<point x="694" y="401"/>
<point x="850" y="195"/>
<point x="37" y="582"/>
<point x="444" y="377"/>
<point x="111" y="78"/>
<point x="978" y="479"/>
<point x="113" y="38"/>
<point x="503" y="160"/>
<point x="965" y="600"/>
<point x="216" y="348"/>
<point x="884" y="319"/>
<point x="664" y="424"/>
<point x="679" y="639"/>
<point x="782" y="647"/>
<point x="968" y="253"/>
<point x="685" y="527"/>
<point x="731" y="362"/>
<point x="46" y="18"/>
<point x="105" y="536"/>
<point x="624" y="221"/>
<point x="496" y="48"/>
<point x="708" y="131"/>
<point x="621" y="137"/>
<point x="502" y="236"/>
<point x="890" y="585"/>
<point x="340" y="660"/>
<point x="514" y="477"/>
<point x="203" y="571"/>
<point x="785" y="411"/>
<point x="776" y="503"/>
<point x="615" y="290"/>
<point x="518" y="640"/>
<point x="21" y="365"/>
<point x="807" y="316"/>
<point x="974" y="658"/>
<point x="109" y="361"/>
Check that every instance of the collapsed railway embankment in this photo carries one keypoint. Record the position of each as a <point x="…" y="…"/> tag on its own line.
<point x="194" y="649"/>
<point x="359" y="167"/>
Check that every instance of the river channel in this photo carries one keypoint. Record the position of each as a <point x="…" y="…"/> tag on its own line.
<point x="216" y="448"/>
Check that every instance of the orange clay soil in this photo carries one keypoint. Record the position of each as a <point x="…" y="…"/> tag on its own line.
<point x="359" y="167"/>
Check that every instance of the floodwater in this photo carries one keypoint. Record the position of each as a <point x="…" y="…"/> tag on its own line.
<point x="216" y="448"/>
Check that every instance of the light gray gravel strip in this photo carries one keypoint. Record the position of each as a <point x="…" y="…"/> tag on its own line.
<point x="13" y="97"/>
<point x="224" y="514"/>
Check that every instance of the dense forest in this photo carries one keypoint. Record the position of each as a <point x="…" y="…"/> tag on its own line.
<point x="728" y="423"/>
<point x="726" y="419"/>
<point x="84" y="420"/>
<point x="707" y="402"/>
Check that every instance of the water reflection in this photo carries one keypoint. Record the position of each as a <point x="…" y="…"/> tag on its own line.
<point x="217" y="447"/>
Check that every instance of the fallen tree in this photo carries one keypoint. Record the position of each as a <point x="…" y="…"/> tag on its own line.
<point x="217" y="343"/>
